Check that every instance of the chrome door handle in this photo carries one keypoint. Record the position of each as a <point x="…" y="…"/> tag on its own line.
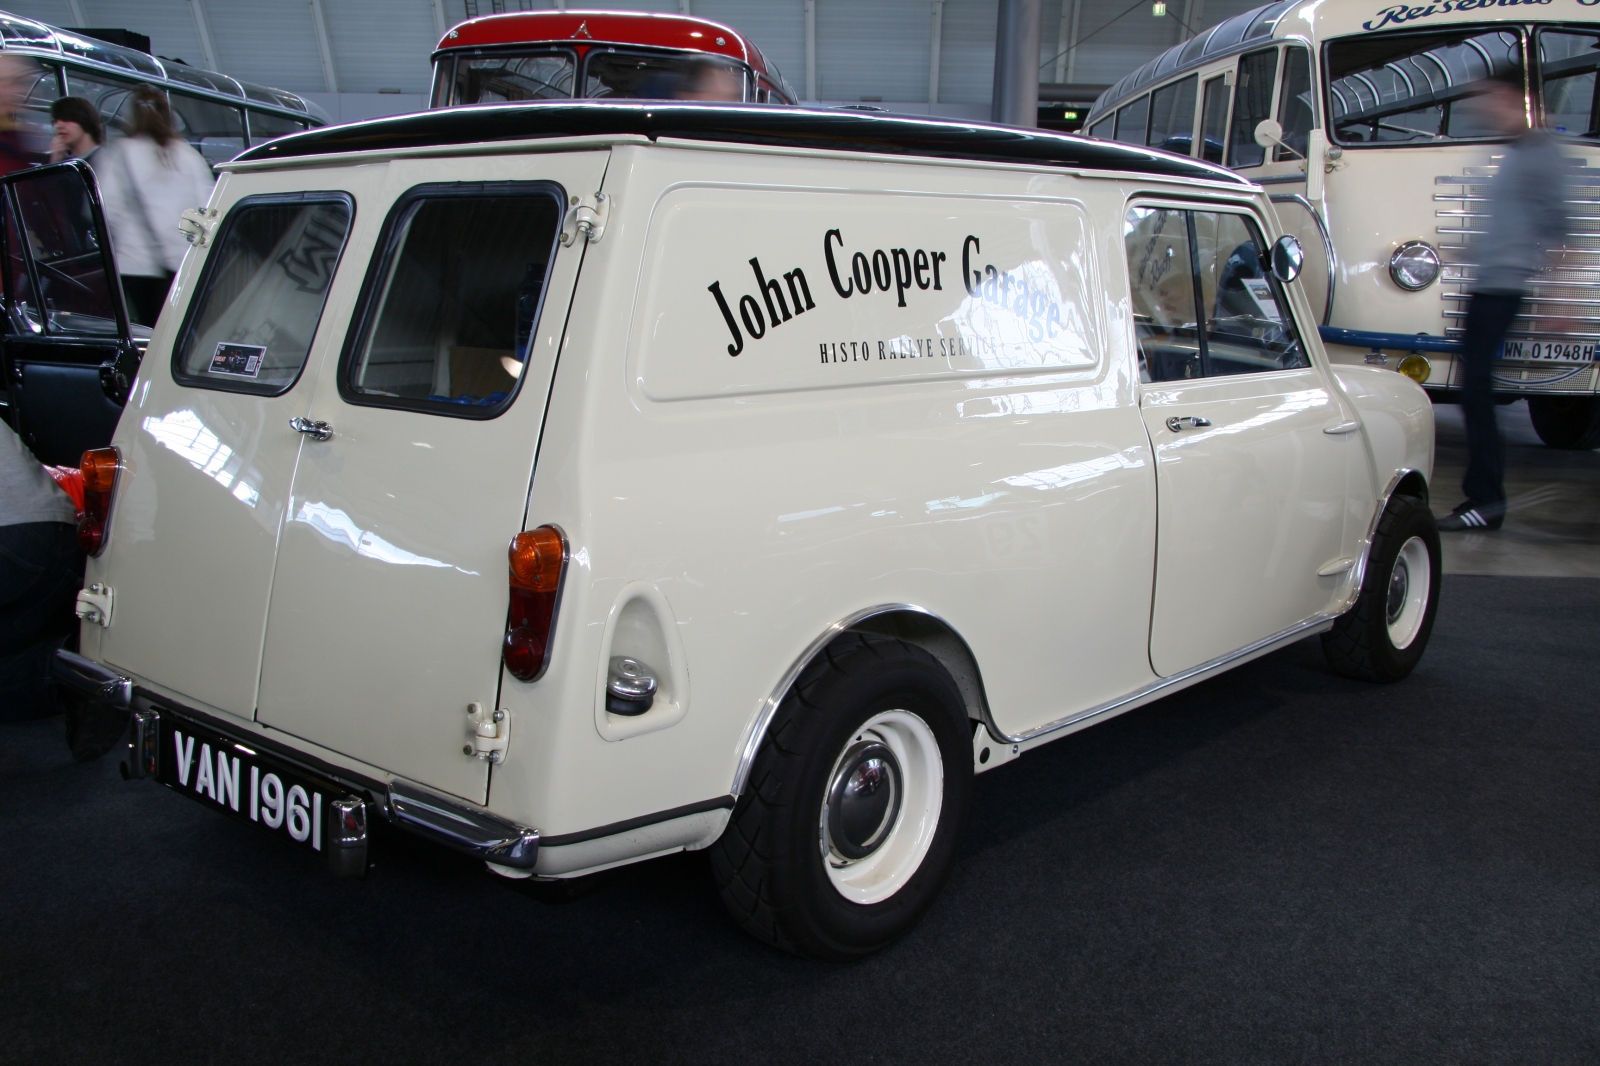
<point x="1191" y="421"/>
<point x="314" y="430"/>
<point x="1334" y="429"/>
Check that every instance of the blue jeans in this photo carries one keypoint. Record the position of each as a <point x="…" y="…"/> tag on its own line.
<point x="41" y="570"/>
<point x="1489" y="316"/>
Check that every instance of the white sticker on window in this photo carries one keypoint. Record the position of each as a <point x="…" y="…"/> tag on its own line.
<point x="238" y="360"/>
<point x="1260" y="290"/>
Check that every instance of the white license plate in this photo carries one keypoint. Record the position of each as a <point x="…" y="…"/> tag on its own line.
<point x="1549" y="351"/>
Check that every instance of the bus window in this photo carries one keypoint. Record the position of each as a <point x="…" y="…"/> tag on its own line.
<point x="216" y="130"/>
<point x="1294" y="105"/>
<point x="505" y="79"/>
<point x="1214" y="120"/>
<point x="1133" y="120"/>
<point x="264" y="127"/>
<point x="108" y="95"/>
<point x="1406" y="89"/>
<point x="1251" y="103"/>
<point x="1567" y="65"/>
<point x="444" y="76"/>
<point x="1172" y="116"/>
<point x="1103" y="129"/>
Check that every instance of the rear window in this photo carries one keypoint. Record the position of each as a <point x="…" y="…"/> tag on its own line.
<point x="262" y="293"/>
<point x="453" y="297"/>
<point x="638" y="76"/>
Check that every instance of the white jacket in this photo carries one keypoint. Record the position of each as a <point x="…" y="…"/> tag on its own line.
<point x="146" y="189"/>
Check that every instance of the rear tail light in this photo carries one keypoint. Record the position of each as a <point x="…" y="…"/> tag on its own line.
<point x="99" y="467"/>
<point x="538" y="564"/>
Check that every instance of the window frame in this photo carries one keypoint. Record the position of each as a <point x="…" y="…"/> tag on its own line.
<point x="1273" y="80"/>
<point x="186" y="330"/>
<point x="378" y="267"/>
<point x="1203" y="318"/>
<point x="1173" y="85"/>
<point x="1280" y="104"/>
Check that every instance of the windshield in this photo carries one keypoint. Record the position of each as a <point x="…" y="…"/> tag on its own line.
<point x="1409" y="88"/>
<point x="1567" y="63"/>
<point x="608" y="74"/>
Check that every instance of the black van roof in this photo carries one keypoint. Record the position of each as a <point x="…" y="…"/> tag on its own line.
<point x="788" y="127"/>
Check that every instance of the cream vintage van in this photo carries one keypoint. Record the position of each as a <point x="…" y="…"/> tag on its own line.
<point x="1356" y="116"/>
<point x="840" y="458"/>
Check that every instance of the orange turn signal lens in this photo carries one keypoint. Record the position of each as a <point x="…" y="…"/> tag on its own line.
<point x="99" y="467"/>
<point x="536" y="558"/>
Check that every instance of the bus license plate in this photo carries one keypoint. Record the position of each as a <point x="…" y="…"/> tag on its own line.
<point x="1549" y="351"/>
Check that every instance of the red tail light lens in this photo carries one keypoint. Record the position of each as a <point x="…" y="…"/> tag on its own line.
<point x="99" y="467"/>
<point x="538" y="564"/>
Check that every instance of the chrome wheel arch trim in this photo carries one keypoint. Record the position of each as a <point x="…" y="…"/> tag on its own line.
<point x="1358" y="573"/>
<point x="972" y="690"/>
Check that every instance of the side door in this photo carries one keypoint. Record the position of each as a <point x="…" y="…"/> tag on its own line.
<point x="69" y="353"/>
<point x="1253" y="448"/>
<point x="390" y="595"/>
<point x="207" y="460"/>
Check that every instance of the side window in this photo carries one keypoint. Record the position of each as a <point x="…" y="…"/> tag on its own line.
<point x="1172" y="116"/>
<point x="1203" y="302"/>
<point x="215" y="130"/>
<point x="67" y="291"/>
<point x="1252" y="102"/>
<point x="1214" y="120"/>
<point x="250" y="327"/>
<point x="1161" y="274"/>
<point x="452" y="299"/>
<point x="1104" y="129"/>
<point x="108" y="95"/>
<point x="1133" y="120"/>
<point x="1295" y="112"/>
<point x="264" y="127"/>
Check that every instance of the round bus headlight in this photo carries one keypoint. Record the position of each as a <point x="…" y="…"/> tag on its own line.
<point x="1416" y="367"/>
<point x="1414" y="265"/>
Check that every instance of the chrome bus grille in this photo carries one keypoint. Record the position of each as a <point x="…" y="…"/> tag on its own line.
<point x="1563" y="301"/>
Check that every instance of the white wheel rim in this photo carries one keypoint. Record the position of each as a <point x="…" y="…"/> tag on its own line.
<point x="1406" y="602"/>
<point x="916" y="772"/>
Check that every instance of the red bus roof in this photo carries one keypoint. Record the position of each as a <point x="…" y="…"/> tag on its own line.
<point x="681" y="32"/>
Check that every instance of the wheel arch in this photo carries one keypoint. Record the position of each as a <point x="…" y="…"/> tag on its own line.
<point x="907" y="622"/>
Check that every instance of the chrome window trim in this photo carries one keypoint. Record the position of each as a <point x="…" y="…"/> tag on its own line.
<point x="1327" y="244"/>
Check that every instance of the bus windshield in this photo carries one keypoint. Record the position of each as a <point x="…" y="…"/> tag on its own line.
<point x="1567" y="62"/>
<point x="1409" y="88"/>
<point x="608" y="73"/>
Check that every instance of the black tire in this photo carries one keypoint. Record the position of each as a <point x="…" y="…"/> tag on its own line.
<point x="769" y="863"/>
<point x="1361" y="643"/>
<point x="1571" y="423"/>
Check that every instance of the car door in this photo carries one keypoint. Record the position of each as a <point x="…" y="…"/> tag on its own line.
<point x="69" y="353"/>
<point x="207" y="458"/>
<point x="1253" y="448"/>
<point x="389" y="599"/>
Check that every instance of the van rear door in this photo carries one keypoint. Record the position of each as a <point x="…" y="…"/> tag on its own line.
<point x="207" y="454"/>
<point x="389" y="599"/>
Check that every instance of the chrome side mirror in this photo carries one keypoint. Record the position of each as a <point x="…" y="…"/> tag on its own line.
<point x="1287" y="258"/>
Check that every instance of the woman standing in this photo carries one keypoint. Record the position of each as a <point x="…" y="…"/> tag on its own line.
<point x="151" y="176"/>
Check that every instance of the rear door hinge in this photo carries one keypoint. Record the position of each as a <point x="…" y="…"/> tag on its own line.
<point x="196" y="224"/>
<point x="586" y="214"/>
<point x="94" y="604"/>
<point x="490" y="733"/>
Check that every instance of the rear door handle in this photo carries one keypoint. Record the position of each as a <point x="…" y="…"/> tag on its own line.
<point x="1178" y="425"/>
<point x="314" y="430"/>
<point x="1333" y="429"/>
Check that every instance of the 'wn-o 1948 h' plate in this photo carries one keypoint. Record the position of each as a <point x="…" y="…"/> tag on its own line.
<point x="236" y="779"/>
<point x="1540" y="351"/>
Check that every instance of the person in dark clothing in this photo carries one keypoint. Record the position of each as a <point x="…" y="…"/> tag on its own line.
<point x="40" y="573"/>
<point x="79" y="133"/>
<point x="1526" y="220"/>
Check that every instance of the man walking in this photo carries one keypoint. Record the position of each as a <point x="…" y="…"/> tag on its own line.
<point x="1526" y="220"/>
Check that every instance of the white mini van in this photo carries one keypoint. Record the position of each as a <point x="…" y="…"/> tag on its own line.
<point x="840" y="457"/>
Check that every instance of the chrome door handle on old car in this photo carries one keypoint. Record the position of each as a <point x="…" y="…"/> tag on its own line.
<point x="314" y="430"/>
<point x="1178" y="425"/>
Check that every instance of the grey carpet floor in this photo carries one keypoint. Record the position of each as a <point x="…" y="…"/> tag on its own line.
<point x="1277" y="866"/>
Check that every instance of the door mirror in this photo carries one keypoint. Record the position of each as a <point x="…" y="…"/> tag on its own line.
<point x="1269" y="132"/>
<point x="1287" y="258"/>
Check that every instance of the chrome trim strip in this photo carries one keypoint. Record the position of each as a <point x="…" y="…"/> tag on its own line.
<point x="769" y="707"/>
<point x="1193" y="674"/>
<point x="1327" y="246"/>
<point x="461" y="826"/>
<point x="720" y="803"/>
<point x="1359" y="571"/>
<point x="91" y="679"/>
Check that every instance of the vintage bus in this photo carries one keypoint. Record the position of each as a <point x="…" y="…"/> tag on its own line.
<point x="558" y="55"/>
<point x="219" y="115"/>
<point x="1354" y="115"/>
